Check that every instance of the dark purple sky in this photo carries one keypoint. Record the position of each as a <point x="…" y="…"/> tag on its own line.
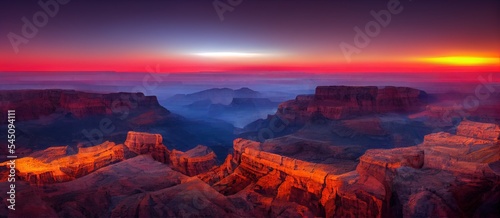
<point x="267" y="35"/>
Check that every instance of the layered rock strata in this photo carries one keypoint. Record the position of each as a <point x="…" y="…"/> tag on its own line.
<point x="193" y="162"/>
<point x="59" y="167"/>
<point x="34" y="104"/>
<point x="146" y="143"/>
<point x="61" y="164"/>
<point x="339" y="102"/>
<point x="447" y="175"/>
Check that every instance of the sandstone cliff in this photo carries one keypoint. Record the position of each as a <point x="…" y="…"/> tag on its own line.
<point x="52" y="167"/>
<point x="447" y="175"/>
<point x="34" y="104"/>
<point x="61" y="164"/>
<point x="145" y="143"/>
<point x="253" y="171"/>
<point x="486" y="131"/>
<point x="339" y="102"/>
<point x="193" y="162"/>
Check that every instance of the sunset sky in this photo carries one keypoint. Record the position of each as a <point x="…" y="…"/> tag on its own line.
<point x="256" y="36"/>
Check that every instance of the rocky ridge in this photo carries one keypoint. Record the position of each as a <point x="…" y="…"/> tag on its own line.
<point x="34" y="104"/>
<point x="339" y="102"/>
<point x="421" y="180"/>
<point x="47" y="166"/>
<point x="61" y="164"/>
<point x="193" y="162"/>
<point x="449" y="175"/>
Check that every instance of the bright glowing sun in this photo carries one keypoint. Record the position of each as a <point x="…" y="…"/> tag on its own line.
<point x="462" y="60"/>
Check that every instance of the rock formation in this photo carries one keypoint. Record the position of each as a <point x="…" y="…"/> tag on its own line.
<point x="51" y="167"/>
<point x="193" y="162"/>
<point x="448" y="175"/>
<point x="339" y="102"/>
<point x="486" y="131"/>
<point x="34" y="104"/>
<point x="136" y="187"/>
<point x="61" y="164"/>
<point x="145" y="143"/>
<point x="423" y="180"/>
<point x="277" y="177"/>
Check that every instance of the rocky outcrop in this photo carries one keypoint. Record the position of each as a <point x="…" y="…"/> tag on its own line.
<point x="447" y="175"/>
<point x="434" y="178"/>
<point x="47" y="167"/>
<point x="62" y="164"/>
<point x="287" y="179"/>
<point x="56" y="164"/>
<point x="53" y="153"/>
<point x="34" y="104"/>
<point x="382" y="164"/>
<point x="137" y="187"/>
<point x="146" y="143"/>
<point x="193" y="162"/>
<point x="485" y="131"/>
<point x="339" y="102"/>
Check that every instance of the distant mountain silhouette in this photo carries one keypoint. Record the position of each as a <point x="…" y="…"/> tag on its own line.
<point x="216" y="96"/>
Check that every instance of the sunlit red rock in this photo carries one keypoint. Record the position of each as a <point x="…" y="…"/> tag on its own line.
<point x="486" y="131"/>
<point x="276" y="176"/>
<point x="193" y="162"/>
<point x="448" y="175"/>
<point x="51" y="167"/>
<point x="422" y="180"/>
<point x="61" y="164"/>
<point x="146" y="143"/>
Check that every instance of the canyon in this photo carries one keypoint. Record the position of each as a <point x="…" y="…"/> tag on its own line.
<point x="343" y="152"/>
<point x="452" y="175"/>
<point x="47" y="118"/>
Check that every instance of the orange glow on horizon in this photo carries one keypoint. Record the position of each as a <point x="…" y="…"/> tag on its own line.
<point x="462" y="60"/>
<point x="238" y="62"/>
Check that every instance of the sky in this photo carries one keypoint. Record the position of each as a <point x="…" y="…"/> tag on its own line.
<point x="251" y="36"/>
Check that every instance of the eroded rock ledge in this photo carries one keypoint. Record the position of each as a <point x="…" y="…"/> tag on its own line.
<point x="61" y="164"/>
<point x="34" y="104"/>
<point x="193" y="162"/>
<point x="449" y="175"/>
<point x="51" y="167"/>
<point x="339" y="102"/>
